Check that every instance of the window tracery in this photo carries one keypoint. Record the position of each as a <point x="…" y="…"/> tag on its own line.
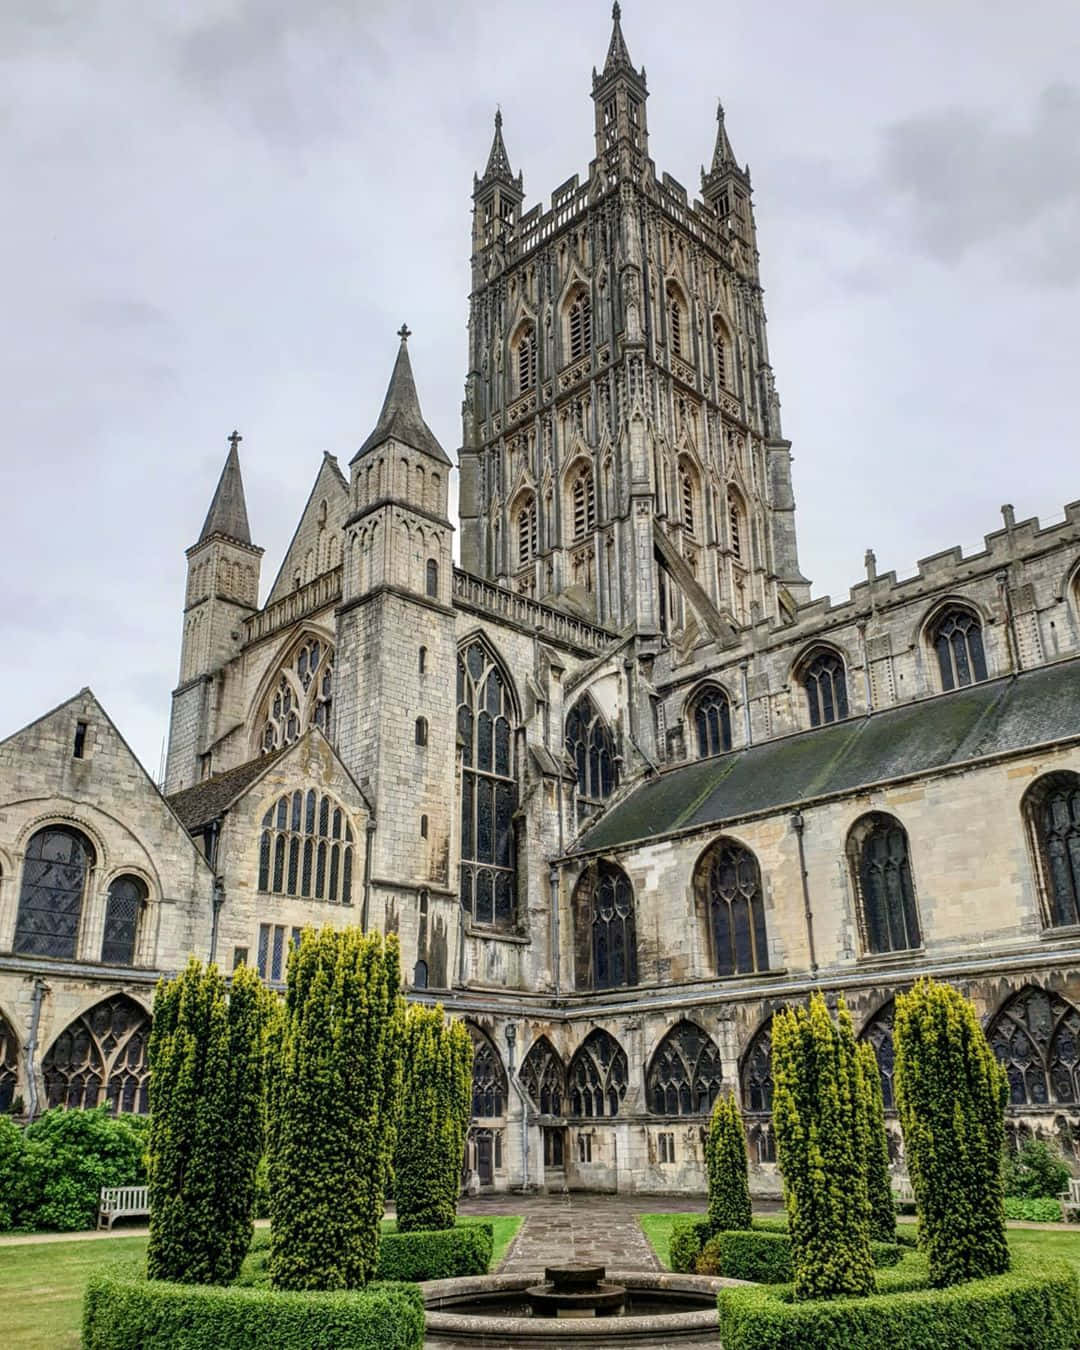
<point x="710" y="717"/>
<point x="306" y="848"/>
<point x="958" y="641"/>
<point x="301" y="696"/>
<point x="9" y="1064"/>
<point x="590" y="745"/>
<point x="1036" y="1038"/>
<point x="598" y="1076"/>
<point x="878" y="851"/>
<point x="127" y="896"/>
<point x="1052" y="807"/>
<point x="757" y="1080"/>
<point x="825" y="683"/>
<point x="489" y="1085"/>
<point x="684" y="1075"/>
<point x="729" y="879"/>
<point x="604" y="913"/>
<point x="55" y="870"/>
<point x="101" y="1052"/>
<point x="544" y="1077"/>
<point x="878" y="1033"/>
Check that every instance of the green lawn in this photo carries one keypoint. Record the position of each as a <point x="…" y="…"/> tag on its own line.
<point x="42" y="1284"/>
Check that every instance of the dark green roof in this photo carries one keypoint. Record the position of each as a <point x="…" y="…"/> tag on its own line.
<point x="995" y="718"/>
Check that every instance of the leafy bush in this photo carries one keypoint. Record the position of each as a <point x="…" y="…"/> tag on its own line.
<point x="725" y="1162"/>
<point x="1033" y="1211"/>
<point x="65" y="1160"/>
<point x="12" y="1151"/>
<point x="1036" y="1171"/>
<point x="765" y="1256"/>
<point x="123" y="1313"/>
<point x="688" y="1236"/>
<point x="444" y="1254"/>
<point x="1037" y="1304"/>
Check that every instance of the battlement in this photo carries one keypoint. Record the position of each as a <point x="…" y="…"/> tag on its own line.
<point x="315" y="595"/>
<point x="496" y="602"/>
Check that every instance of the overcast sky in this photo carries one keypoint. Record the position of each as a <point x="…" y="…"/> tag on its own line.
<point x="219" y="214"/>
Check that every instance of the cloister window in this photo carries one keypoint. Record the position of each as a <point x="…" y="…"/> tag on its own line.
<point x="9" y="1064"/>
<point x="590" y="745"/>
<point x="687" y="497"/>
<point x="525" y="358"/>
<point x="431" y="578"/>
<point x="543" y="1077"/>
<point x="720" y="348"/>
<point x="597" y="1076"/>
<point x="710" y="716"/>
<point x="728" y="879"/>
<point x="684" y="1074"/>
<point x="757" y="1080"/>
<point x="306" y="849"/>
<point x="878" y="854"/>
<point x="486" y="720"/>
<point x="958" y="641"/>
<point x="676" y="320"/>
<point x="825" y="683"/>
<point x="583" y="502"/>
<point x="1036" y="1038"/>
<point x="1052" y="808"/>
<point x="127" y="896"/>
<point x="579" y="325"/>
<point x="301" y="696"/>
<point x="489" y="1085"/>
<point x="101" y="1056"/>
<point x="878" y="1033"/>
<point x="55" y="870"/>
<point x="525" y="528"/>
<point x="605" y="928"/>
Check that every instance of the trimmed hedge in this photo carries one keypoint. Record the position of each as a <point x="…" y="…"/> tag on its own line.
<point x="765" y="1257"/>
<point x="1036" y="1304"/>
<point x="443" y="1254"/>
<point x="136" y="1314"/>
<point x="688" y="1236"/>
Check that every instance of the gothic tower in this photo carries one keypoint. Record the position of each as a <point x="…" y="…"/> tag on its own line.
<point x="622" y="451"/>
<point x="222" y="590"/>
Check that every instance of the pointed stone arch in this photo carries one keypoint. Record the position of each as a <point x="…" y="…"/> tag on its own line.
<point x="101" y="1056"/>
<point x="821" y="671"/>
<point x="878" y="1034"/>
<point x="685" y="1072"/>
<point x="543" y="1076"/>
<point x="296" y="691"/>
<point x="598" y="1076"/>
<point x="490" y="1087"/>
<point x="1035" y="1035"/>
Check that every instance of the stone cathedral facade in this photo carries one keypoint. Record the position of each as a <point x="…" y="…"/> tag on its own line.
<point x="622" y="787"/>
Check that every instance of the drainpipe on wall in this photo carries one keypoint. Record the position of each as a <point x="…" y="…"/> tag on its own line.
<point x="798" y="824"/>
<point x="40" y="990"/>
<point x="511" y="1034"/>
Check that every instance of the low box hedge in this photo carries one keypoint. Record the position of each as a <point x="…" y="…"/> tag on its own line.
<point x="688" y="1236"/>
<point x="445" y="1254"/>
<point x="132" y="1313"/>
<point x="764" y="1256"/>
<point x="1036" y="1304"/>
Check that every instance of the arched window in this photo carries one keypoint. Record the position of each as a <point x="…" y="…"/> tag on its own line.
<point x="55" y="869"/>
<point x="881" y="866"/>
<point x="306" y="849"/>
<point x="1036" y="1037"/>
<point x="684" y="1075"/>
<point x="486" y="719"/>
<point x="544" y="1077"/>
<point x="687" y="496"/>
<point x="525" y="358"/>
<point x="597" y="1076"/>
<point x="9" y="1064"/>
<point x="589" y="744"/>
<point x="579" y="325"/>
<point x="878" y="1032"/>
<point x="431" y="575"/>
<point x="127" y="896"/>
<point x="826" y="687"/>
<point x="101" y="1055"/>
<point x="604" y="928"/>
<point x="757" y="1081"/>
<point x="421" y="731"/>
<point x="420" y="975"/>
<point x="957" y="639"/>
<point x="676" y="321"/>
<point x="735" y="527"/>
<point x="728" y="879"/>
<point x="720" y="348"/>
<point x="1052" y="808"/>
<point x="489" y="1085"/>
<point x="301" y="696"/>
<point x="710" y="716"/>
<point x="421" y="662"/>
<point x="583" y="502"/>
<point x="525" y="530"/>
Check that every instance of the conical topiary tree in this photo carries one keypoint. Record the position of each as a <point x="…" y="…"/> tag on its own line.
<point x="207" y="1101"/>
<point x="819" y="1138"/>
<point x="875" y="1147"/>
<point x="336" y="1096"/>
<point x="725" y="1162"/>
<point x="436" y="1105"/>
<point x="951" y="1094"/>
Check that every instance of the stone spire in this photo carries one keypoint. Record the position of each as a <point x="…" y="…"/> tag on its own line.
<point x="618" y="55"/>
<point x="723" y="155"/>
<point x="401" y="419"/>
<point x="228" y="510"/>
<point x="498" y="165"/>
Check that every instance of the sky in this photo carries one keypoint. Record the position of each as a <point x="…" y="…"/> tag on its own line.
<point x="220" y="211"/>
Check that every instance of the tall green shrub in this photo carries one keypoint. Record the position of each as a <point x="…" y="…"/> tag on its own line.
<point x="336" y="1096"/>
<point x="207" y="1102"/>
<point x="819" y="1137"/>
<point x="951" y="1094"/>
<point x="725" y="1163"/>
<point x="436" y="1105"/>
<point x="875" y="1146"/>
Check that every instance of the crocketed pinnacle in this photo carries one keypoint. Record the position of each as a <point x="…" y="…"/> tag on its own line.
<point x="401" y="419"/>
<point x="617" y="54"/>
<point x="228" y="510"/>
<point x="498" y="165"/>
<point x="723" y="155"/>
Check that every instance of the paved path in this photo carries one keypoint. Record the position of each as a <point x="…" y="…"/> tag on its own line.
<point x="578" y="1228"/>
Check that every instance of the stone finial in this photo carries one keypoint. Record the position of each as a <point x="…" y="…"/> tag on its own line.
<point x="870" y="563"/>
<point x="1008" y="514"/>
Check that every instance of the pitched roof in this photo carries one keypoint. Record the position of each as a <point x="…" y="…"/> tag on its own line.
<point x="997" y="717"/>
<point x="401" y="418"/>
<point x="228" y="510"/>
<point x="206" y="801"/>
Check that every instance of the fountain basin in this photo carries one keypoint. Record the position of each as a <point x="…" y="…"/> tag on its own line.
<point x="493" y="1311"/>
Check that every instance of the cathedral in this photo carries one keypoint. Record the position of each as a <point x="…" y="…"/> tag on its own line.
<point x="622" y="787"/>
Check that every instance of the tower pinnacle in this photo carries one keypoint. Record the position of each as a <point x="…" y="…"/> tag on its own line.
<point x="498" y="164"/>
<point x="618" y="56"/>
<point x="228" y="510"/>
<point x="401" y="419"/>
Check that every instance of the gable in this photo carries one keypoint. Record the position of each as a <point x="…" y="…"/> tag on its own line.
<point x="316" y="545"/>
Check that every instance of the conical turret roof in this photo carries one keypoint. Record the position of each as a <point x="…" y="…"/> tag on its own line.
<point x="401" y="418"/>
<point x="228" y="510"/>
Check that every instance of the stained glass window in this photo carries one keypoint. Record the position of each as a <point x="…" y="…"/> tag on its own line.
<point x="301" y="696"/>
<point x="590" y="745"/>
<point x="826" y="688"/>
<point x="486" y="719"/>
<point x="878" y="847"/>
<point x="597" y="1076"/>
<point x="684" y="1076"/>
<point x="489" y="1085"/>
<point x="879" y="1033"/>
<point x="1053" y="810"/>
<point x="757" y="1084"/>
<point x="544" y="1077"/>
<point x="306" y="849"/>
<point x="711" y="719"/>
<point x="127" y="895"/>
<point x="9" y="1064"/>
<point x="1036" y="1037"/>
<point x="958" y="641"/>
<point x="55" y="869"/>
<point x="101" y="1056"/>
<point x="605" y="893"/>
<point x="729" y="879"/>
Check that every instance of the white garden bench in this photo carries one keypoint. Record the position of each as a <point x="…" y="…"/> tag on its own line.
<point x="1070" y="1199"/>
<point x="123" y="1202"/>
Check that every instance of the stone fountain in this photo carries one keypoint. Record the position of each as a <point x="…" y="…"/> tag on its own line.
<point x="576" y="1291"/>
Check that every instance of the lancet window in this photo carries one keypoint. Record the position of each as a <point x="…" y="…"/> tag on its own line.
<point x="526" y="530"/>
<point x="101" y="1057"/>
<point x="127" y="897"/>
<point x="526" y="358"/>
<point x="735" y="529"/>
<point x="720" y="347"/>
<point x="729" y="880"/>
<point x="1052" y="807"/>
<point x="306" y="848"/>
<point x="757" y="1080"/>
<point x="301" y="696"/>
<point x="54" y="879"/>
<point x="685" y="1074"/>
<point x="687" y="498"/>
<point x="583" y="502"/>
<point x="579" y="325"/>
<point x="590" y="745"/>
<point x="825" y="683"/>
<point x="598" y="1076"/>
<point x="675" y="319"/>
<point x="489" y="1085"/>
<point x="710" y="718"/>
<point x="1036" y="1037"/>
<point x="544" y="1077"/>
<point x="878" y="853"/>
<point x="958" y="641"/>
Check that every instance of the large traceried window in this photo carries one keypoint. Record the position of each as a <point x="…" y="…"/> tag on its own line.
<point x="825" y="683"/>
<point x="127" y="896"/>
<point x="605" y="927"/>
<point x="1036" y="1038"/>
<point x="300" y="697"/>
<point x="684" y="1076"/>
<point x="583" y="502"/>
<point x="590" y="745"/>
<point x="579" y="325"/>
<point x="1052" y="808"/>
<point x="597" y="1076"/>
<point x="55" y="870"/>
<point x="881" y="866"/>
<point x="101" y="1057"/>
<point x="543" y="1077"/>
<point x="710" y="717"/>
<point x="958" y="641"/>
<point x="489" y="1085"/>
<point x="9" y="1064"/>
<point x="728" y="879"/>
<point x="486" y="720"/>
<point x="306" y="848"/>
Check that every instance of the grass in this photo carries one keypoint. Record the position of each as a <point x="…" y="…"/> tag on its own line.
<point x="43" y="1283"/>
